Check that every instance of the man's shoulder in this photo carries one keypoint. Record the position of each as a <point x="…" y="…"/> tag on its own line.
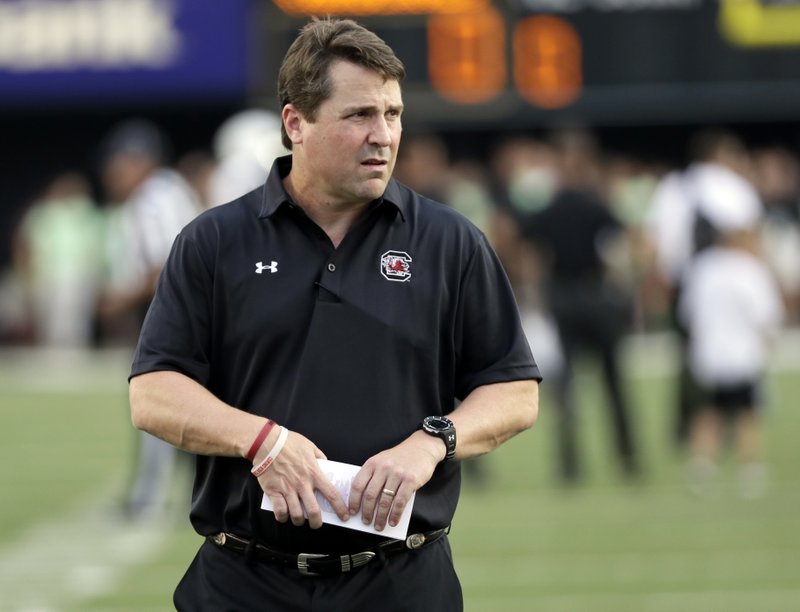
<point x="229" y="218"/>
<point x="425" y="211"/>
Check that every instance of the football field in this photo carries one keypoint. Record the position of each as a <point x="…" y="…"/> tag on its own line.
<point x="521" y="543"/>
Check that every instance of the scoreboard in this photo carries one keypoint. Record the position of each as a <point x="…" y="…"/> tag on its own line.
<point x="623" y="62"/>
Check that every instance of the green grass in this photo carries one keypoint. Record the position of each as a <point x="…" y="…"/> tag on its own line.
<point x="526" y="544"/>
<point x="520" y="542"/>
<point x="55" y="449"/>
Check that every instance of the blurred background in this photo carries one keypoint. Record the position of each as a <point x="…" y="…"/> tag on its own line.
<point x="603" y="146"/>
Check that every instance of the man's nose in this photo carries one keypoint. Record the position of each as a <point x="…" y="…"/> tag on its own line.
<point x="382" y="133"/>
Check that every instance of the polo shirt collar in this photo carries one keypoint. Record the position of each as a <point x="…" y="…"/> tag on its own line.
<point x="275" y="194"/>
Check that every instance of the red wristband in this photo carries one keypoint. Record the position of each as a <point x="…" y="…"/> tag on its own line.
<point x="262" y="435"/>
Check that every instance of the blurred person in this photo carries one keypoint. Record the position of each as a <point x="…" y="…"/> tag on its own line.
<point x="349" y="309"/>
<point x="198" y="167"/>
<point x="573" y="235"/>
<point x="777" y="179"/>
<point x="424" y="165"/>
<point x="150" y="204"/>
<point x="522" y="183"/>
<point x="679" y="226"/>
<point x="56" y="251"/>
<point x="469" y="194"/>
<point x="245" y="145"/>
<point x="15" y="325"/>
<point x="733" y="309"/>
<point x="630" y="188"/>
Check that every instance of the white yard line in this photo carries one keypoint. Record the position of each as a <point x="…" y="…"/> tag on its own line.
<point x="77" y="556"/>
<point x="86" y="551"/>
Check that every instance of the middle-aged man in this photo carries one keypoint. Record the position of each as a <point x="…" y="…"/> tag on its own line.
<point x="346" y="308"/>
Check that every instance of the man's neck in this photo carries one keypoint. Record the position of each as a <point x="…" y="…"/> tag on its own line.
<point x="334" y="218"/>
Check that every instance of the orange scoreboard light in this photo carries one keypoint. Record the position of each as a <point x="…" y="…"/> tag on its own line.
<point x="547" y="61"/>
<point x="527" y="61"/>
<point x="379" y="7"/>
<point x="466" y="56"/>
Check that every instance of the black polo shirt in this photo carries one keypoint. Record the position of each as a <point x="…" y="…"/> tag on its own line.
<point x="352" y="347"/>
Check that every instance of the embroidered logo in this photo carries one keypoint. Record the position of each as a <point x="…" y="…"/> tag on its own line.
<point x="272" y="267"/>
<point x="396" y="266"/>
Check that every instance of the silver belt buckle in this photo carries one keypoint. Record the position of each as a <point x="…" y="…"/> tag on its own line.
<point x="302" y="563"/>
<point x="415" y="540"/>
<point x="356" y="560"/>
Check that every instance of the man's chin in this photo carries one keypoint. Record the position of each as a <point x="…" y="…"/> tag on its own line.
<point x="374" y="188"/>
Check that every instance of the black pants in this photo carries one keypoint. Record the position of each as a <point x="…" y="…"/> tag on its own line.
<point x="688" y="395"/>
<point x="591" y="317"/>
<point x="415" y="581"/>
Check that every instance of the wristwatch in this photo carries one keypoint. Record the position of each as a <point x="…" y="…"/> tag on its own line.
<point x="443" y="428"/>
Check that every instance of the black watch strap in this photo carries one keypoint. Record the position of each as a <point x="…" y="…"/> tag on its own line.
<point x="443" y="428"/>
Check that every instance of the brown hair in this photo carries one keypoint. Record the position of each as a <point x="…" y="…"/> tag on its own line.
<point x="303" y="78"/>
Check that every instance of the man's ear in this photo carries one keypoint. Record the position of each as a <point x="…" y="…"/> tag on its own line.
<point x="292" y="122"/>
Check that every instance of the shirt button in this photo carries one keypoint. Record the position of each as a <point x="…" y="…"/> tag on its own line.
<point x="331" y="267"/>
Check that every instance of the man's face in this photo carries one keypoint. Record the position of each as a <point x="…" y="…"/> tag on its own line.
<point x="124" y="172"/>
<point x="349" y="151"/>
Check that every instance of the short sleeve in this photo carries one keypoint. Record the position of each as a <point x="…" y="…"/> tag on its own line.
<point x="491" y="346"/>
<point x="176" y="332"/>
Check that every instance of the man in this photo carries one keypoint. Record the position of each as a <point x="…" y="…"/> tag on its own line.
<point x="573" y="234"/>
<point x="149" y="203"/>
<point x="345" y="307"/>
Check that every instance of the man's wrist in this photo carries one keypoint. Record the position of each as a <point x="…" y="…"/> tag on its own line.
<point x="269" y="442"/>
<point x="443" y="428"/>
<point x="259" y="440"/>
<point x="263" y="465"/>
<point x="434" y="446"/>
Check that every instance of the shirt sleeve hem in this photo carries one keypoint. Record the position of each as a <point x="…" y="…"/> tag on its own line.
<point x="159" y="365"/>
<point x="499" y="376"/>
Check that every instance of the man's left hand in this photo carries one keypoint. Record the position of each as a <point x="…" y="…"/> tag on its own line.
<point x="386" y="482"/>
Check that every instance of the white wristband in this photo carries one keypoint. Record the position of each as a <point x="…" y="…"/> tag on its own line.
<point x="271" y="455"/>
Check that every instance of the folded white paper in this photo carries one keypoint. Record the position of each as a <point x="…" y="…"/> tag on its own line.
<point x="341" y="476"/>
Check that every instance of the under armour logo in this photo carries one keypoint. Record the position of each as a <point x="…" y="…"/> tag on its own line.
<point x="272" y="267"/>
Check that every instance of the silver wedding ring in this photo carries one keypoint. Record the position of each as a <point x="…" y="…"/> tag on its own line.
<point x="389" y="492"/>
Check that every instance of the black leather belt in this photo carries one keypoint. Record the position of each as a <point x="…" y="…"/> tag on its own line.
<point x="310" y="564"/>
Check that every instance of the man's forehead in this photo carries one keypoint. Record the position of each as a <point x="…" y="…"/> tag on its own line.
<point x="353" y="78"/>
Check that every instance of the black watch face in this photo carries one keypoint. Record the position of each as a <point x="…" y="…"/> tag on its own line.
<point x="437" y="423"/>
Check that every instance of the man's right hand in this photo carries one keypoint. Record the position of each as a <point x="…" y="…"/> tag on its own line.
<point x="290" y="482"/>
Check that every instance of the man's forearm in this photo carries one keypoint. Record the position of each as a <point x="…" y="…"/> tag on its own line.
<point x="180" y="411"/>
<point x="492" y="414"/>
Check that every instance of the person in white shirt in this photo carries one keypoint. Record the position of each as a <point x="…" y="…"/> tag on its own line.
<point x="732" y="307"/>
<point x="245" y="145"/>
<point x="153" y="204"/>
<point x="680" y="224"/>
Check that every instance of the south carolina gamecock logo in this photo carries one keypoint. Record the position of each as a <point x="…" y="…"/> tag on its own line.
<point x="396" y="266"/>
